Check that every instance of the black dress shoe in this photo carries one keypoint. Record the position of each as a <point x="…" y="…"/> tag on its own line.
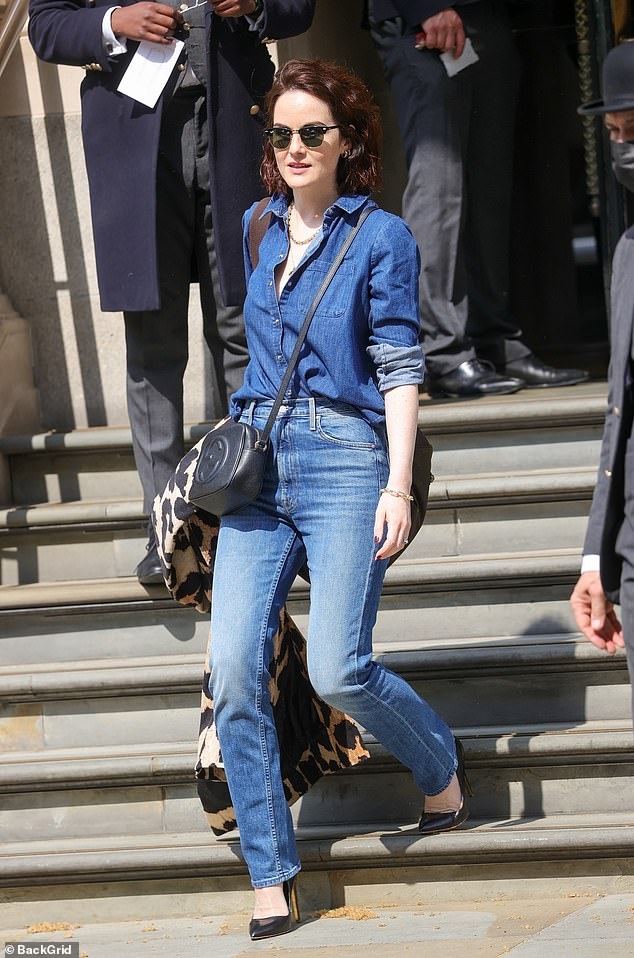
<point x="432" y="822"/>
<point x="149" y="570"/>
<point x="474" y="377"/>
<point x="277" y="924"/>
<point x="537" y="375"/>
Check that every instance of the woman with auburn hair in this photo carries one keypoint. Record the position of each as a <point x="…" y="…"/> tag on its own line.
<point x="332" y="496"/>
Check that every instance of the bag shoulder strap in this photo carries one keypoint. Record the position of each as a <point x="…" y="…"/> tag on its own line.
<point x="263" y="440"/>
<point x="257" y="229"/>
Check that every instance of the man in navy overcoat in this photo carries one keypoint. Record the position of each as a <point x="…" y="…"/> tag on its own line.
<point x="168" y="187"/>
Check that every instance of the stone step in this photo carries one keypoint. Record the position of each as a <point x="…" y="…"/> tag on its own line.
<point x="529" y="771"/>
<point x="181" y="672"/>
<point x="548" y="429"/>
<point x="457" y="598"/>
<point x="470" y="514"/>
<point x="110" y="703"/>
<point x="161" y="763"/>
<point x="602" y="841"/>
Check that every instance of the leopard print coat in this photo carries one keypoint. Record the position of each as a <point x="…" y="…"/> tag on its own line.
<point x="315" y="739"/>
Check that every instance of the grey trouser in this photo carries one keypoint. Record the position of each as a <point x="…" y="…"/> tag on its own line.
<point x="458" y="136"/>
<point x="156" y="340"/>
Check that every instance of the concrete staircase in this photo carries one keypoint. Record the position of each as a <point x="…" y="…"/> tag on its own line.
<point x="100" y="683"/>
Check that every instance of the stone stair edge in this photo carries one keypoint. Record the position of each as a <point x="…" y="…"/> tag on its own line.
<point x="101" y="678"/>
<point x="444" y="572"/>
<point x="152" y="856"/>
<point x="590" y="743"/>
<point x="529" y="411"/>
<point x="475" y="489"/>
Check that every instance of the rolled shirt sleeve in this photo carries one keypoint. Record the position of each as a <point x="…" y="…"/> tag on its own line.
<point x="397" y="365"/>
<point x="394" y="346"/>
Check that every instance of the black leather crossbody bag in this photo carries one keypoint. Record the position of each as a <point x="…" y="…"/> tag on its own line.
<point x="230" y="468"/>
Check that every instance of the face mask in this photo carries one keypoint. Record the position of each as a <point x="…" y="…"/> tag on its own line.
<point x="623" y="163"/>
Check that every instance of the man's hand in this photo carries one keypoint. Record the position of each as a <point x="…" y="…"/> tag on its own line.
<point x="146" y="21"/>
<point x="595" y="615"/>
<point x="444" y="31"/>
<point x="233" y="8"/>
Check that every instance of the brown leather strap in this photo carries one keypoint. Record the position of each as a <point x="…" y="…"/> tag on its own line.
<point x="257" y="229"/>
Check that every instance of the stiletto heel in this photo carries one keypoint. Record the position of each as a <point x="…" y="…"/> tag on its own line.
<point x="432" y="822"/>
<point x="461" y="772"/>
<point x="277" y="924"/>
<point x="291" y="899"/>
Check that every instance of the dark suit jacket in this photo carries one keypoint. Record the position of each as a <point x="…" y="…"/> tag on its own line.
<point x="608" y="502"/>
<point x="121" y="138"/>
<point x="412" y="11"/>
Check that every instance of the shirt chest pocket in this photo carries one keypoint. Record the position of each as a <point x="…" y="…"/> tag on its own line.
<point x="336" y="299"/>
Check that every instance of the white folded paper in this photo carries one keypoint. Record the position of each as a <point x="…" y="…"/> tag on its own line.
<point x="149" y="70"/>
<point x="454" y="65"/>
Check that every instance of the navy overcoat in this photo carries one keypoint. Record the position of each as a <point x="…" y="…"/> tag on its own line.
<point x="121" y="138"/>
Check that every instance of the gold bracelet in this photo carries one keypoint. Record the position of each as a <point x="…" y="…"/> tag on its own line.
<point x="398" y="494"/>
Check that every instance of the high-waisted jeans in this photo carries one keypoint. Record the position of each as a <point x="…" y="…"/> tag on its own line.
<point x="325" y="469"/>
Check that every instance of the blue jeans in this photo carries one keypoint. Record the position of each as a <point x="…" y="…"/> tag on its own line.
<point x="325" y="469"/>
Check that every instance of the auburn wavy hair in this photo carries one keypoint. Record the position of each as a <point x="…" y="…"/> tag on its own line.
<point x="352" y="108"/>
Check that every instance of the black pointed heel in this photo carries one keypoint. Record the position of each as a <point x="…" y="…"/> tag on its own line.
<point x="432" y="822"/>
<point x="277" y="924"/>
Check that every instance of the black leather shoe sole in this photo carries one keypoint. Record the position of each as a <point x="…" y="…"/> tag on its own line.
<point x="575" y="380"/>
<point x="475" y="391"/>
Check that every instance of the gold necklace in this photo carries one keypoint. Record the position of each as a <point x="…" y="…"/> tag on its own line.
<point x="297" y="242"/>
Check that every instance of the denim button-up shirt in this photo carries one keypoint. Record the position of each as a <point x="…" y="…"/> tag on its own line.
<point x="363" y="339"/>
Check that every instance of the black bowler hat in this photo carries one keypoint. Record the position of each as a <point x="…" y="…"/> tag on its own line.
<point x="618" y="82"/>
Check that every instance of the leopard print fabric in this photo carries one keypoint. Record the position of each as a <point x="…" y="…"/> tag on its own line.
<point x="315" y="739"/>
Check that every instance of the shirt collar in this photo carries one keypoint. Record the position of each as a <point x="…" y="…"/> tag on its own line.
<point x="350" y="202"/>
<point x="347" y="203"/>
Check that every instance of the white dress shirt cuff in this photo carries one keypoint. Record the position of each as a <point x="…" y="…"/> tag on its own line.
<point x="590" y="563"/>
<point x="112" y="46"/>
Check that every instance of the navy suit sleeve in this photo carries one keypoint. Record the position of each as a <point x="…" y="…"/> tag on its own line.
<point x="415" y="11"/>
<point x="286" y="18"/>
<point x="64" y="31"/>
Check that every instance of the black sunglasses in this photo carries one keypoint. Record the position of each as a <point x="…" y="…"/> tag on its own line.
<point x="312" y="135"/>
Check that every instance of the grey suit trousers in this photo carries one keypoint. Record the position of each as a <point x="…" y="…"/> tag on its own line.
<point x="458" y="136"/>
<point x="156" y="341"/>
